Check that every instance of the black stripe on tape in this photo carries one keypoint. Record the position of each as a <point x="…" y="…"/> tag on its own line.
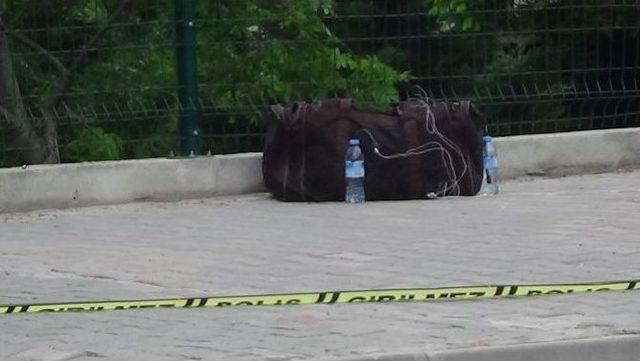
<point x="334" y="297"/>
<point x="321" y="297"/>
<point x="203" y="302"/>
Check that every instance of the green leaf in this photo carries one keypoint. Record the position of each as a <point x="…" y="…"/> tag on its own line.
<point x="467" y="24"/>
<point x="90" y="12"/>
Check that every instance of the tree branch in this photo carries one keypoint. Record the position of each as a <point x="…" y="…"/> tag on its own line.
<point x="32" y="44"/>
<point x="67" y="79"/>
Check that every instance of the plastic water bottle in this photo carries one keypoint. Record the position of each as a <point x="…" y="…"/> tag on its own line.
<point x="490" y="176"/>
<point x="354" y="173"/>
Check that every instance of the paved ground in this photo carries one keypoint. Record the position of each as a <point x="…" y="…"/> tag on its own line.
<point x="548" y="230"/>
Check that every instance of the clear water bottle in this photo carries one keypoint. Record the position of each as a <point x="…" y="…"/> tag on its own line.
<point x="490" y="176"/>
<point x="354" y="173"/>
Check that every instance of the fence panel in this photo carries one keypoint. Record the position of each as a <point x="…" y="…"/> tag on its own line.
<point x="92" y="80"/>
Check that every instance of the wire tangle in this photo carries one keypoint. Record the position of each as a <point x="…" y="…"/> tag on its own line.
<point x="443" y="145"/>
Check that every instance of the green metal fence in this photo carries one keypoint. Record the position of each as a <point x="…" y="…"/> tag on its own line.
<point x="114" y="79"/>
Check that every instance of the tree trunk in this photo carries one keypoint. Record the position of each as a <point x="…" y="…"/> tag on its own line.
<point x="30" y="147"/>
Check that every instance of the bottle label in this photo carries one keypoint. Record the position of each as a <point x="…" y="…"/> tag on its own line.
<point x="490" y="162"/>
<point x="354" y="169"/>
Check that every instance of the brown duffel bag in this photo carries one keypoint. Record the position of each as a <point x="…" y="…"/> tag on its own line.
<point x="417" y="150"/>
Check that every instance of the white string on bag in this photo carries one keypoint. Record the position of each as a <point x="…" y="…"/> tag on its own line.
<point x="432" y="146"/>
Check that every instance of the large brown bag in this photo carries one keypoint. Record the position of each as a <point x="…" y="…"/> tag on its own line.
<point x="417" y="150"/>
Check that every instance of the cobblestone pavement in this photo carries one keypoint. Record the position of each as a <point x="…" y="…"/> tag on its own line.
<point x="537" y="231"/>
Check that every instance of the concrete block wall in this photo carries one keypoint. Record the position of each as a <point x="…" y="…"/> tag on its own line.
<point x="561" y="154"/>
<point x="96" y="183"/>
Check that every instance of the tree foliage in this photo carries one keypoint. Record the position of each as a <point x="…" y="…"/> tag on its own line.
<point x="87" y="80"/>
<point x="109" y="64"/>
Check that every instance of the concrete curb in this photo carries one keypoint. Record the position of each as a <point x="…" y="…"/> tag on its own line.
<point x="98" y="183"/>
<point x="617" y="348"/>
<point x="561" y="154"/>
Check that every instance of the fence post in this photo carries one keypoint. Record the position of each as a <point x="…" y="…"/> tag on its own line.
<point x="190" y="140"/>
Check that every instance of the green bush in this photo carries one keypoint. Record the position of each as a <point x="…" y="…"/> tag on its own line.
<point x="93" y="144"/>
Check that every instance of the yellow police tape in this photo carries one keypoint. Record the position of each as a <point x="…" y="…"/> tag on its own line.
<point x="382" y="295"/>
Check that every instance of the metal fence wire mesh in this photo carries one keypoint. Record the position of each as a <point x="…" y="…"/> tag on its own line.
<point x="94" y="80"/>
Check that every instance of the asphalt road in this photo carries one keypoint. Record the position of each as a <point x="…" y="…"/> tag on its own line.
<point x="573" y="229"/>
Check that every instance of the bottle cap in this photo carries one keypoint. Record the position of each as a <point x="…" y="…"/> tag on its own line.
<point x="487" y="139"/>
<point x="354" y="141"/>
